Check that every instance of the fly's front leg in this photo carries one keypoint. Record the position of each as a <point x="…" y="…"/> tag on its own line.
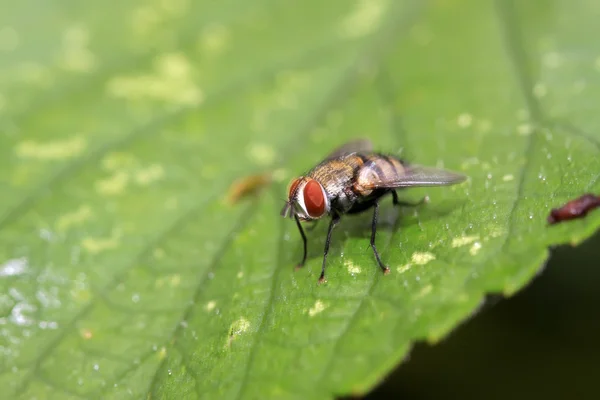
<point x="385" y="269"/>
<point x="301" y="264"/>
<point x="334" y="220"/>
<point x="398" y="202"/>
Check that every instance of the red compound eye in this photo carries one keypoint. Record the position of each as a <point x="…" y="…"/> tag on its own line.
<point x="314" y="199"/>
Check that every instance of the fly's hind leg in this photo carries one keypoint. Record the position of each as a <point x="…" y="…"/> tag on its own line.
<point x="334" y="220"/>
<point x="398" y="202"/>
<point x="384" y="268"/>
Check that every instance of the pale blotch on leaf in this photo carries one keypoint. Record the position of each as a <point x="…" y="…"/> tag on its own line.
<point x="237" y="328"/>
<point x="475" y="248"/>
<point x="552" y="60"/>
<point x="352" y="268"/>
<point x="74" y="218"/>
<point x="424" y="291"/>
<point x="172" y="81"/>
<point x="210" y="305"/>
<point x="113" y="185"/>
<point x="524" y="129"/>
<point x="86" y="333"/>
<point x="317" y="308"/>
<point x="162" y="353"/>
<point x="175" y="280"/>
<point x="149" y="174"/>
<point x="422" y="258"/>
<point x="508" y="177"/>
<point x="9" y="39"/>
<point x="262" y="154"/>
<point x="75" y="54"/>
<point x="117" y="160"/>
<point x="464" y="240"/>
<point x="464" y="120"/>
<point x="214" y="39"/>
<point x="97" y="245"/>
<point x="240" y="275"/>
<point x="364" y="19"/>
<point x="51" y="151"/>
<point x="417" y="258"/>
<point x="150" y="18"/>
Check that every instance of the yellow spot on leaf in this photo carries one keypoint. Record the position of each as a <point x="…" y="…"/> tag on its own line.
<point x="317" y="308"/>
<point x="149" y="174"/>
<point x="422" y="258"/>
<point x="237" y="328"/>
<point x="403" y="268"/>
<point x="425" y="291"/>
<point x="464" y="120"/>
<point x="214" y="39"/>
<point x="97" y="245"/>
<point x="162" y="353"/>
<point x="51" y="151"/>
<point x="86" y="333"/>
<point x="261" y="154"/>
<point x="171" y="81"/>
<point x="508" y="177"/>
<point x="364" y="19"/>
<point x="76" y="56"/>
<point x="113" y="185"/>
<point x="77" y="217"/>
<point x="118" y="161"/>
<point x="475" y="248"/>
<point x="175" y="280"/>
<point x="353" y="269"/>
<point x="210" y="305"/>
<point x="464" y="240"/>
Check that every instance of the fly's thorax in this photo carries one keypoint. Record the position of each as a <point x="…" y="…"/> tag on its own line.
<point x="377" y="168"/>
<point x="308" y="198"/>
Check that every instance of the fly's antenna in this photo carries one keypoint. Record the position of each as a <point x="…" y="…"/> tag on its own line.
<point x="286" y="212"/>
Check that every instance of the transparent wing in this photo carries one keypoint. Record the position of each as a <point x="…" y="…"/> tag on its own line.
<point x="358" y="145"/>
<point x="417" y="175"/>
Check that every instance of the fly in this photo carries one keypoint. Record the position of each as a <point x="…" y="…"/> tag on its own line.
<point x="353" y="179"/>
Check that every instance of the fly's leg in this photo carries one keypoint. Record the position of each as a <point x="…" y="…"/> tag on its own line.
<point x="334" y="220"/>
<point x="301" y="264"/>
<point x="398" y="202"/>
<point x="385" y="269"/>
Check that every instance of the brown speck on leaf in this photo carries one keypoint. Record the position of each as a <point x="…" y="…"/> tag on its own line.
<point x="577" y="208"/>
<point x="250" y="185"/>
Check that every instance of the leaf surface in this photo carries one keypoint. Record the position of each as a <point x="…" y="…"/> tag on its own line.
<point x="126" y="273"/>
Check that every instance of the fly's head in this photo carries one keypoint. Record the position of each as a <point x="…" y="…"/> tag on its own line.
<point x="307" y="200"/>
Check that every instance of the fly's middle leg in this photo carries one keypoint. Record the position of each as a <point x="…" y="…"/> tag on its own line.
<point x="334" y="220"/>
<point x="384" y="268"/>
<point x="398" y="202"/>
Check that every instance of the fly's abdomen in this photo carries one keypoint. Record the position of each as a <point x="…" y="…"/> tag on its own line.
<point x="377" y="169"/>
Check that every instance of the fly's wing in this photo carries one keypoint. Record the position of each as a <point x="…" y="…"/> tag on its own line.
<point x="415" y="175"/>
<point x="355" y="146"/>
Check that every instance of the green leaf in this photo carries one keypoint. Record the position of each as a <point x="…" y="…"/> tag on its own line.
<point x="125" y="273"/>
